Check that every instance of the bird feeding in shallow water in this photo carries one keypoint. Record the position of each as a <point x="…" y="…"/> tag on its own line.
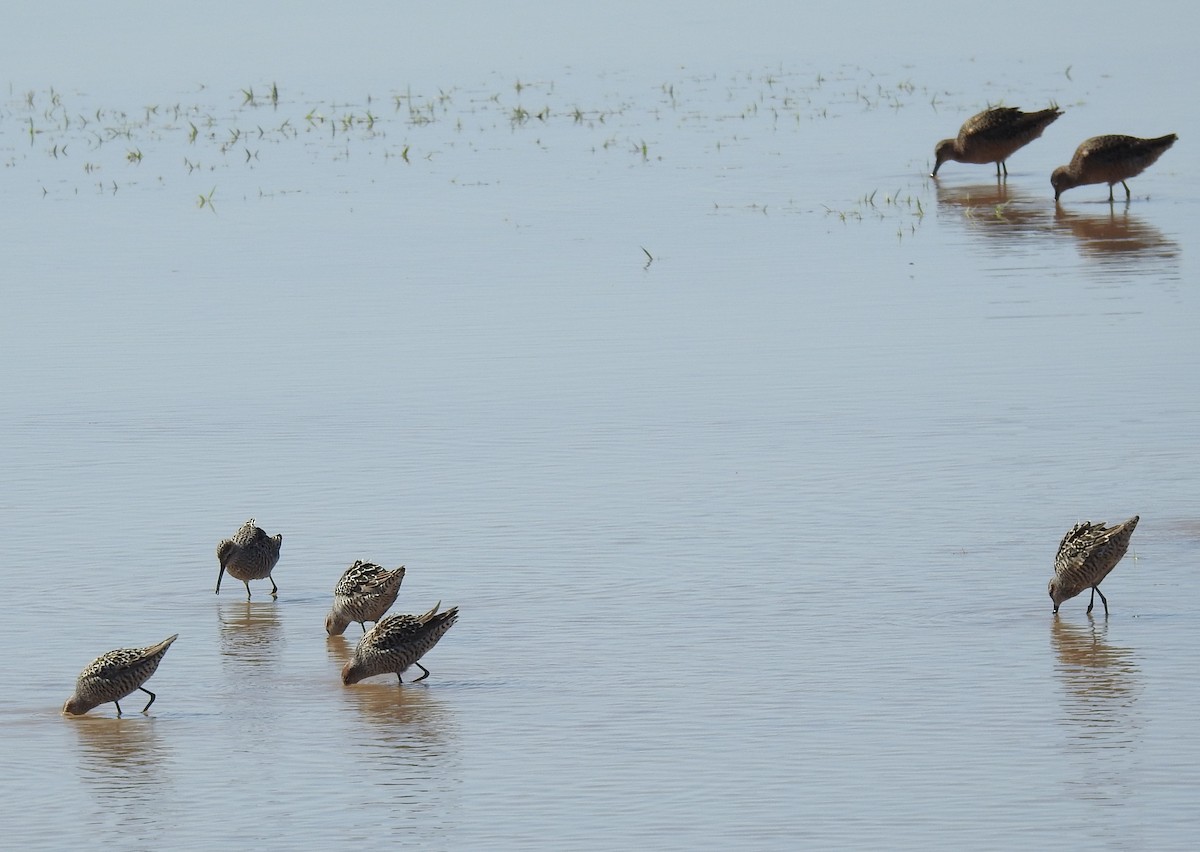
<point x="250" y="555"/>
<point x="993" y="136"/>
<point x="1086" y="555"/>
<point x="397" y="642"/>
<point x="112" y="676"/>
<point x="1111" y="160"/>
<point x="364" y="593"/>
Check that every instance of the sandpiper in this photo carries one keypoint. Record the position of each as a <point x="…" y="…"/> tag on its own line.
<point x="993" y="136"/>
<point x="1085" y="557"/>
<point x="1109" y="159"/>
<point x="116" y="674"/>
<point x="250" y="555"/>
<point x="363" y="594"/>
<point x="397" y="642"/>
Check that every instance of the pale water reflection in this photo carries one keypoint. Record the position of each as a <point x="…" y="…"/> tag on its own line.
<point x="1100" y="728"/>
<point x="250" y="631"/>
<point x="1100" y="685"/>
<point x="1000" y="209"/>
<point x="127" y="769"/>
<point x="1117" y="236"/>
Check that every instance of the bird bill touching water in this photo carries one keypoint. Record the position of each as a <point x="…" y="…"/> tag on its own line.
<point x="250" y="555"/>
<point x="1086" y="555"/>
<point x="112" y="676"/>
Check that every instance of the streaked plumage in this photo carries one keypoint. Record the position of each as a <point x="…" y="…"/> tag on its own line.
<point x="1111" y="160"/>
<point x="250" y="555"/>
<point x="993" y="136"/>
<point x="363" y="594"/>
<point x="1085" y="557"/>
<point x="397" y="642"/>
<point x="114" y="675"/>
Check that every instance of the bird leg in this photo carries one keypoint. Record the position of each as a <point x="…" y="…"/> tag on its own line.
<point x="274" y="588"/>
<point x="1091" y="603"/>
<point x="118" y="708"/>
<point x="247" y="582"/>
<point x="152" y="697"/>
<point x="422" y="668"/>
<point x="1127" y="193"/>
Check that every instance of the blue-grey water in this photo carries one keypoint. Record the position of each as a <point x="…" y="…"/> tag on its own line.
<point x="644" y="338"/>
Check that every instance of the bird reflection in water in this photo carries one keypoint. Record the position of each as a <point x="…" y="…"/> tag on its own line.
<point x="1115" y="236"/>
<point x="410" y="743"/>
<point x="125" y="765"/>
<point x="1100" y="682"/>
<point x="996" y="210"/>
<point x="250" y="631"/>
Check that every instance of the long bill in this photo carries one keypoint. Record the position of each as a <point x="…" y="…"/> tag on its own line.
<point x="219" y="576"/>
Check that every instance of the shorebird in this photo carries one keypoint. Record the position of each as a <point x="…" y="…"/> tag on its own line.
<point x="363" y="594"/>
<point x="116" y="674"/>
<point x="1109" y="159"/>
<point x="397" y="642"/>
<point x="1085" y="557"/>
<point x="250" y="555"/>
<point x="993" y="136"/>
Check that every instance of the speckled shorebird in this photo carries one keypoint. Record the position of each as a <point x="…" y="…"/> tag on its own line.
<point x="250" y="555"/>
<point x="993" y="136"/>
<point x="1111" y="160"/>
<point x="363" y="594"/>
<point x="1085" y="557"/>
<point x="397" y="642"/>
<point x="116" y="674"/>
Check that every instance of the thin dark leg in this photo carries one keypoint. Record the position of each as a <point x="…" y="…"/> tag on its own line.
<point x="1110" y="195"/>
<point x="152" y="697"/>
<point x="1092" y="602"/>
<point x="118" y="708"/>
<point x="422" y="668"/>
<point x="1101" y="594"/>
<point x="1005" y="165"/>
<point x="399" y="678"/>
<point x="247" y="582"/>
<point x="1127" y="193"/>
<point x="274" y="588"/>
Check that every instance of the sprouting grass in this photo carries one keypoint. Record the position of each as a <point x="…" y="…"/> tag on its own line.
<point x="207" y="200"/>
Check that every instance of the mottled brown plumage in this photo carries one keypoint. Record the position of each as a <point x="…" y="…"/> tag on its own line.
<point x="114" y="675"/>
<point x="1111" y="160"/>
<point x="397" y="642"/>
<point x="1085" y="557"/>
<point x="364" y="593"/>
<point x="250" y="555"/>
<point x="993" y="136"/>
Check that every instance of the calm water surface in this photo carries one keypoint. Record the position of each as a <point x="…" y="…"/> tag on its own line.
<point x="743" y="446"/>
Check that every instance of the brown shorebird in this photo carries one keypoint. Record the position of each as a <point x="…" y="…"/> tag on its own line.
<point x="363" y="594"/>
<point x="993" y="136"/>
<point x="116" y="674"/>
<point x="1085" y="557"/>
<point x="397" y="642"/>
<point x="1109" y="159"/>
<point x="250" y="555"/>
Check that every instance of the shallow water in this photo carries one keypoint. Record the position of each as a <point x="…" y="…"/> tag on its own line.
<point x="743" y="446"/>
